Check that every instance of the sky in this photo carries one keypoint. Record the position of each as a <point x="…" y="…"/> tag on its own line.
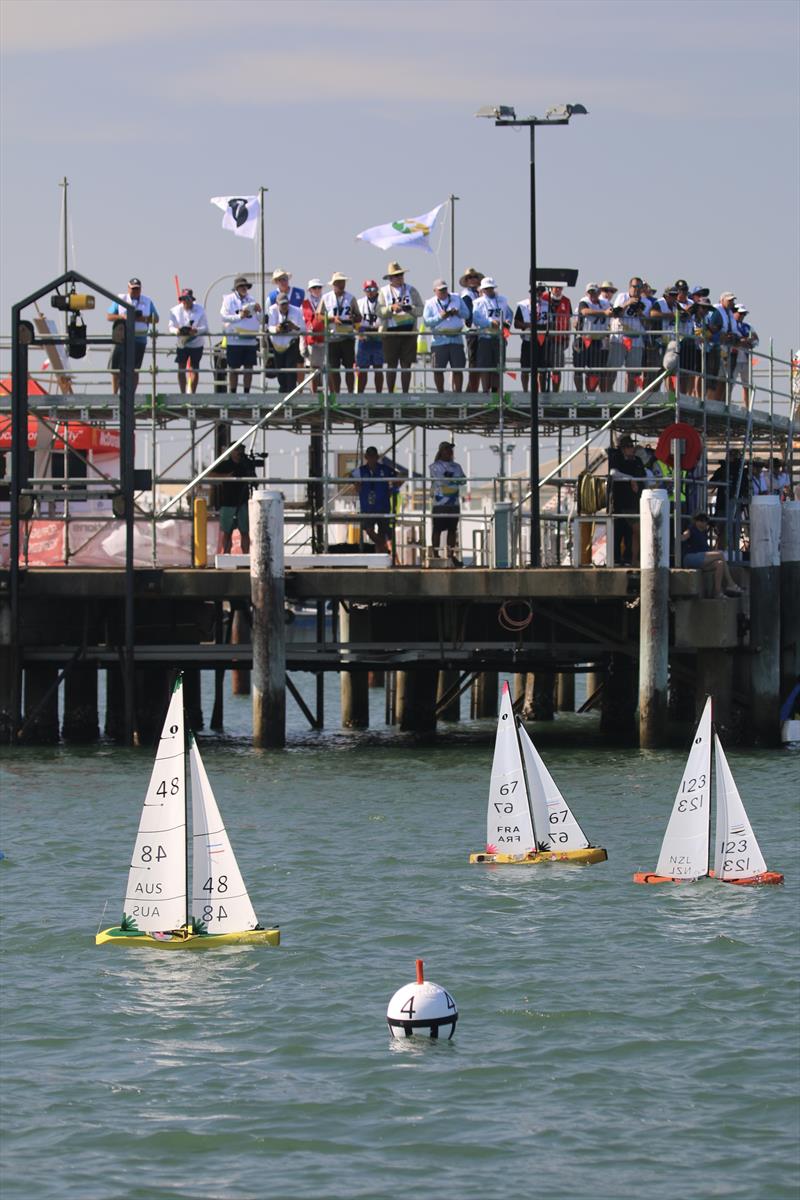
<point x="356" y="113"/>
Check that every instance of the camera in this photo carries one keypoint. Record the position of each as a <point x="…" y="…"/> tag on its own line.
<point x="185" y="330"/>
<point x="634" y="309"/>
<point x="406" y="306"/>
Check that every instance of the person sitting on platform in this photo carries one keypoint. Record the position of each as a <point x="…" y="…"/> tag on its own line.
<point x="697" y="554"/>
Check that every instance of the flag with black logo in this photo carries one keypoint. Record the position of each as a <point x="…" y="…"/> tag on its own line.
<point x="240" y="214"/>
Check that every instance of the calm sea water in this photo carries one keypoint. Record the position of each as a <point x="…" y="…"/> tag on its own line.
<point x="613" y="1040"/>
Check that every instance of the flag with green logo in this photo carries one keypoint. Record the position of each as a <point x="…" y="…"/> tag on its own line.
<point x="407" y="231"/>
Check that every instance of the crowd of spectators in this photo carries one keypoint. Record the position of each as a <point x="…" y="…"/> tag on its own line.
<point x="632" y="332"/>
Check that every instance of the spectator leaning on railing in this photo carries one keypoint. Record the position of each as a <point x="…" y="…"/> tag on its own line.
<point x="286" y="324"/>
<point x="369" y="343"/>
<point x="491" y="316"/>
<point x="559" y="320"/>
<point x="629" y="311"/>
<point x="748" y="340"/>
<point x="470" y="284"/>
<point x="146" y="319"/>
<point x="444" y="316"/>
<point x="241" y="324"/>
<point x="314" y="341"/>
<point x="592" y="319"/>
<point x="339" y="311"/>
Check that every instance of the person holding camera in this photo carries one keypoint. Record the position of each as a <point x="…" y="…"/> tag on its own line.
<point x="188" y="320"/>
<point x="146" y="319"/>
<point x="234" y="497"/>
<point x="492" y="317"/>
<point x="444" y="315"/>
<point x="241" y="323"/>
<point x="369" y="345"/>
<point x="399" y="307"/>
<point x="629" y="312"/>
<point x="340" y="313"/>
<point x="286" y="324"/>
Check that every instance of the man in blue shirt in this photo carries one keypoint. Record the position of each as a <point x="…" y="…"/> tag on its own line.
<point x="373" y="496"/>
<point x="146" y="317"/>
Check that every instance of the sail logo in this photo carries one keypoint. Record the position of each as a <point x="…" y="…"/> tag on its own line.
<point x="148" y="889"/>
<point x="410" y="226"/>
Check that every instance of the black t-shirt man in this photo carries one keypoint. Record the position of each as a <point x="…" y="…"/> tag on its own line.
<point x="624" y="499"/>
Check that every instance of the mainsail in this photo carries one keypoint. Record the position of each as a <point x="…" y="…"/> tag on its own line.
<point x="553" y="820"/>
<point x="156" y="894"/>
<point x="737" y="854"/>
<point x="220" y="902"/>
<point x="509" y="827"/>
<point x="684" y="851"/>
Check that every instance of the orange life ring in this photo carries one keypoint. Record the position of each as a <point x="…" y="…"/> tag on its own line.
<point x="693" y="445"/>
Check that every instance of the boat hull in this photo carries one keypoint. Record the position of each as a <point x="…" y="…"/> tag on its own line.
<point x="203" y="941"/>
<point x="757" y="880"/>
<point x="580" y="858"/>
<point x="651" y="877"/>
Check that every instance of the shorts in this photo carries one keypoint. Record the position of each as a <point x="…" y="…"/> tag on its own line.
<point x="376" y="527"/>
<point x="369" y="354"/>
<point x="451" y="354"/>
<point x="554" y="352"/>
<point x="400" y="349"/>
<point x="242" y="356"/>
<point x="190" y="354"/>
<point x="117" y="360"/>
<point x="472" y="348"/>
<point x="231" y="518"/>
<point x="342" y="354"/>
<point x="697" y="558"/>
<point x="488" y="353"/>
<point x="713" y="361"/>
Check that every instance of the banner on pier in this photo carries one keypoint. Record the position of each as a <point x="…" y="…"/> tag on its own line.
<point x="407" y="231"/>
<point x="240" y="214"/>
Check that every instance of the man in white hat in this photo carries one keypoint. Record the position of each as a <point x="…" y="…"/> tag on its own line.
<point x="281" y="278"/>
<point x="721" y="322"/>
<point x="741" y="354"/>
<point x="285" y="323"/>
<point x="339" y="311"/>
<point x="314" y="341"/>
<point x="241" y="323"/>
<point x="470" y="284"/>
<point x="399" y="306"/>
<point x="146" y="319"/>
<point x="492" y="316"/>
<point x="444" y="315"/>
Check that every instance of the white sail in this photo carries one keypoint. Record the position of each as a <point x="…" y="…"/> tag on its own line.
<point x="684" y="851"/>
<point x="156" y="894"/>
<point x="553" y="820"/>
<point x="737" y="854"/>
<point x="219" y="897"/>
<point x="509" y="827"/>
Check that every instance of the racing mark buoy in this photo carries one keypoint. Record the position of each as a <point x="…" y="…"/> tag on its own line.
<point x="422" y="1009"/>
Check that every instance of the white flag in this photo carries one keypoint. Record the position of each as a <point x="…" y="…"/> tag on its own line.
<point x="409" y="231"/>
<point x="241" y="214"/>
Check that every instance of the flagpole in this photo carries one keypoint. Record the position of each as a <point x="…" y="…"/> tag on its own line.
<point x="64" y="237"/>
<point x="262" y="251"/>
<point x="453" y="241"/>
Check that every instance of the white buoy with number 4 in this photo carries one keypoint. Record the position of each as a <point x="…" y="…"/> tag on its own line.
<point x="422" y="1009"/>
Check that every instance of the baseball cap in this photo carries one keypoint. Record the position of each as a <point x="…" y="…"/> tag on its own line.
<point x="593" y="287"/>
<point x="486" y="282"/>
<point x="681" y="285"/>
<point x="241" y="281"/>
<point x="186" y="294"/>
<point x="134" y="282"/>
<point x="370" y="283"/>
<point x="739" y="307"/>
<point x="698" y="290"/>
<point x="727" y="296"/>
<point x="314" y="283"/>
<point x="443" y="445"/>
<point x="439" y="283"/>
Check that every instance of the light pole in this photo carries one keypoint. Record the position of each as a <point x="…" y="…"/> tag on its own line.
<point x="502" y="114"/>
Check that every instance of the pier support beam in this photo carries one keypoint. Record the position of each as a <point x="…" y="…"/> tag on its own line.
<point x="240" y="635"/>
<point x="269" y="623"/>
<point x="41" y="705"/>
<point x="484" y="694"/>
<point x="452" y="710"/>
<point x="544" y="694"/>
<point x="354" y="626"/>
<point x="81" y="724"/>
<point x="765" y="612"/>
<point x="715" y="678"/>
<point x="416" y="700"/>
<point x="790" y="596"/>
<point x="7" y="675"/>
<point x="654" y="617"/>
<point x="618" y="704"/>
<point x="192" y="701"/>
<point x="565" y="691"/>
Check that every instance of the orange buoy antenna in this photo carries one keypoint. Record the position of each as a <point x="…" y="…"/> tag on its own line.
<point x="420" y="973"/>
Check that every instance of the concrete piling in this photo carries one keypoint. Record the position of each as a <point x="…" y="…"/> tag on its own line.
<point x="653" y="617"/>
<point x="790" y="596"/>
<point x="269" y="625"/>
<point x="354" y="626"/>
<point x="765" y="613"/>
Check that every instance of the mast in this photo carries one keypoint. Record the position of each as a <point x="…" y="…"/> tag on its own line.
<point x="262" y="257"/>
<point x="187" y="735"/>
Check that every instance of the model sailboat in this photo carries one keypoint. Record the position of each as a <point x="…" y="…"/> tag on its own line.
<point x="158" y="911"/>
<point x="528" y="820"/>
<point x="684" y="855"/>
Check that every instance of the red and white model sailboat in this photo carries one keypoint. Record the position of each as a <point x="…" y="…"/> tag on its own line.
<point x="684" y="855"/>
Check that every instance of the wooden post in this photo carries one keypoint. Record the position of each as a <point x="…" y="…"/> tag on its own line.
<point x="418" y="711"/>
<point x="654" y="617"/>
<point x="192" y="699"/>
<point x="7" y="674"/>
<point x="485" y="692"/>
<point x="618" y="705"/>
<point x="765" y="634"/>
<point x="240" y="635"/>
<point x="565" y="691"/>
<point x="452" y="710"/>
<point x="81" y="724"/>
<point x="354" y="685"/>
<point x="42" y="696"/>
<point x="269" y="623"/>
<point x="544" y="690"/>
<point x="790" y="596"/>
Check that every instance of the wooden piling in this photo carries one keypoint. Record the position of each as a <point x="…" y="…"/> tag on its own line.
<point x="7" y="675"/>
<point x="452" y="710"/>
<point x="485" y="694"/>
<point x="240" y="635"/>
<point x="790" y="596"/>
<point x="544" y="696"/>
<point x="269" y="624"/>
<point x="81" y="723"/>
<point x="618" y="704"/>
<point x="418" y="694"/>
<point x="40" y="715"/>
<point x="565" y="691"/>
<point x="653" y="617"/>
<point x="765" y="612"/>
<point x="354" y="685"/>
<point x="192" y="701"/>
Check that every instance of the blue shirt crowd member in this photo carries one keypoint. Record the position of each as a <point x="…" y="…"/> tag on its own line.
<point x="373" y="498"/>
